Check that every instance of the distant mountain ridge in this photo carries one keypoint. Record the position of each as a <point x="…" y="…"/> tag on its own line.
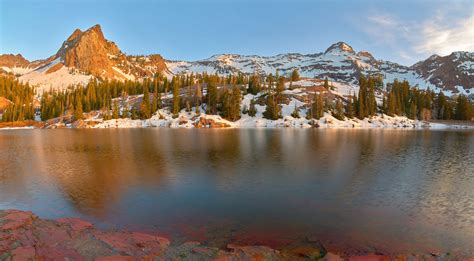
<point x="87" y="55"/>
<point x="453" y="73"/>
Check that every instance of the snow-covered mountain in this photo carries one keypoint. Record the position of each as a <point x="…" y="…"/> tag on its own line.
<point x="87" y="55"/>
<point x="453" y="73"/>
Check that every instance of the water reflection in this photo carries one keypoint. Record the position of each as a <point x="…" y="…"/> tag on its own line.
<point x="358" y="188"/>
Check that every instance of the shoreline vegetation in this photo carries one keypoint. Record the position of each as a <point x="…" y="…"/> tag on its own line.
<point x="24" y="236"/>
<point x="237" y="101"/>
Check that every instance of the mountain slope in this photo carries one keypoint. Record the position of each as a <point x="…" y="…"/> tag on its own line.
<point x="453" y="72"/>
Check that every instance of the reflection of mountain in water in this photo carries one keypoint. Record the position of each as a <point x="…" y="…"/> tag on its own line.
<point x="370" y="184"/>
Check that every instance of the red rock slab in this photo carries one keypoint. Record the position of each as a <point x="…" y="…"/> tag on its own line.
<point x="26" y="237"/>
<point x="133" y="243"/>
<point x="251" y="253"/>
<point x="141" y="237"/>
<point x="308" y="252"/>
<point x="116" y="258"/>
<point x="333" y="257"/>
<point x="76" y="224"/>
<point x="57" y="253"/>
<point x="50" y="234"/>
<point x="16" y="219"/>
<point x="369" y="258"/>
<point x="24" y="253"/>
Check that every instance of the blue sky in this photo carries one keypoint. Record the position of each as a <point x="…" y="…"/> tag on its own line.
<point x="400" y="31"/>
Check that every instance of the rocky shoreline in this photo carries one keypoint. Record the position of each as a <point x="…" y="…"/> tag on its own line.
<point x="24" y="236"/>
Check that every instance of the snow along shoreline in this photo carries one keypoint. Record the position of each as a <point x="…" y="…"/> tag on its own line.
<point x="164" y="119"/>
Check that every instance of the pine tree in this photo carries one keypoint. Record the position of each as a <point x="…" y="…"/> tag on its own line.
<point x="296" y="112"/>
<point x="225" y="103"/>
<point x="318" y="106"/>
<point x="280" y="88"/>
<point x="371" y="102"/>
<point x="441" y="104"/>
<point x="145" y="107"/>
<point x="212" y="96"/>
<point x="154" y="103"/>
<point x="254" y="85"/>
<point x="463" y="109"/>
<point x="350" y="107"/>
<point x="413" y="111"/>
<point x="197" y="99"/>
<point x="338" y="113"/>
<point x="236" y="97"/>
<point x="391" y="104"/>
<point x="272" y="109"/>
<point x="362" y="99"/>
<point x="295" y="76"/>
<point x="134" y="113"/>
<point x="125" y="112"/>
<point x="176" y="99"/>
<point x="252" y="109"/>
<point x="78" y="113"/>
<point x="326" y="83"/>
<point x="384" y="105"/>
<point x="115" y="111"/>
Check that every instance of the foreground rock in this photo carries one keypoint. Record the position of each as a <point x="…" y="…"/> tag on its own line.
<point x="24" y="236"/>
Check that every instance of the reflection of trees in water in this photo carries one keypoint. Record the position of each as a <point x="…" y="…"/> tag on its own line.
<point x="94" y="168"/>
<point x="15" y="152"/>
<point x="359" y="177"/>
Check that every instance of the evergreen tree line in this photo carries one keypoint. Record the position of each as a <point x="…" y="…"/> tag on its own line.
<point x="22" y="98"/>
<point x="110" y="96"/>
<point x="200" y="91"/>
<point x="401" y="99"/>
<point x="404" y="100"/>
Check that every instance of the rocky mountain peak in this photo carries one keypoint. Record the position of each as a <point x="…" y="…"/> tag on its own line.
<point x="83" y="56"/>
<point x="12" y="60"/>
<point x="340" y="47"/>
<point x="74" y="35"/>
<point x="89" y="52"/>
<point x="366" y="54"/>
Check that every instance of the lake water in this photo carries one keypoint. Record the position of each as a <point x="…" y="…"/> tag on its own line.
<point x="383" y="190"/>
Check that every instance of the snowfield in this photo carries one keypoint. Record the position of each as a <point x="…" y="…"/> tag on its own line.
<point x="60" y="79"/>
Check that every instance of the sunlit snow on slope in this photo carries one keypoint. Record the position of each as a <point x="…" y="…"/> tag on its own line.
<point x="59" y="79"/>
